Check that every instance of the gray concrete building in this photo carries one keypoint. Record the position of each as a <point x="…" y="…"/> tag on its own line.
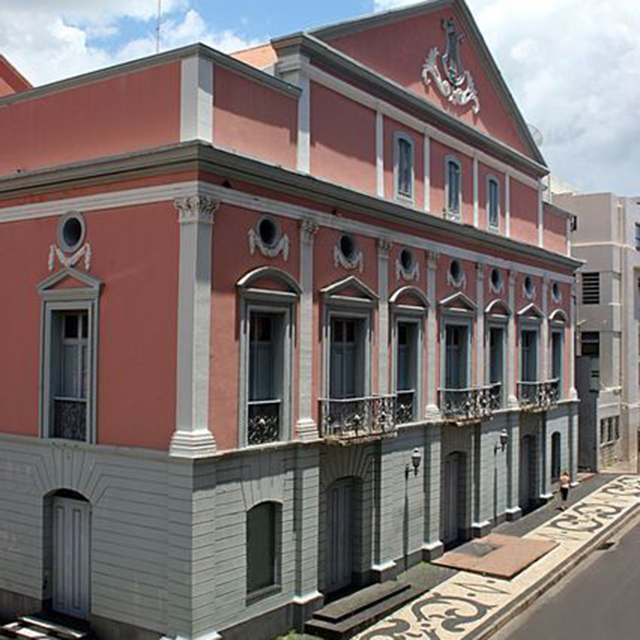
<point x="606" y="237"/>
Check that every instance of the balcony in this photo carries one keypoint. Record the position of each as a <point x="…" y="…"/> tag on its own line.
<point x="464" y="406"/>
<point x="264" y="421"/>
<point x="70" y="419"/>
<point x="357" y="419"/>
<point x="405" y="406"/>
<point x="538" y="396"/>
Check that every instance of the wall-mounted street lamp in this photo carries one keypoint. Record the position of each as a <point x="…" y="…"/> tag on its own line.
<point x="416" y="460"/>
<point x="503" y="440"/>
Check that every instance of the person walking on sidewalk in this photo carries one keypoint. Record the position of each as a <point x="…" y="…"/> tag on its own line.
<point x="565" y="483"/>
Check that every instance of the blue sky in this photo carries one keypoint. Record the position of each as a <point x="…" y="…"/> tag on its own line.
<point x="572" y="65"/>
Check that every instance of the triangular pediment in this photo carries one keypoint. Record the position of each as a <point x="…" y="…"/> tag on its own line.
<point x="352" y="288"/>
<point x="414" y="47"/>
<point x="69" y="280"/>
<point x="531" y="311"/>
<point x="458" y="302"/>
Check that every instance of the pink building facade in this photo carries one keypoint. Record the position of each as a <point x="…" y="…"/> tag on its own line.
<point x="260" y="309"/>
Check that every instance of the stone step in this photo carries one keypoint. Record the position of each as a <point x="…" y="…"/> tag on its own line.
<point x="45" y="627"/>
<point x="340" y="625"/>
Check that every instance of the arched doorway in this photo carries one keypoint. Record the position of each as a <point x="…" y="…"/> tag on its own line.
<point x="556" y="457"/>
<point x="454" y="503"/>
<point x="340" y="535"/>
<point x="527" y="480"/>
<point x="70" y="553"/>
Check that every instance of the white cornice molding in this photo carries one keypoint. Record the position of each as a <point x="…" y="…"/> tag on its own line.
<point x="171" y="192"/>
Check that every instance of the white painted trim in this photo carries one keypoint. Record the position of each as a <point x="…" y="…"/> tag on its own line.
<point x="540" y="216"/>
<point x="168" y="193"/>
<point x="410" y="200"/>
<point x="383" y="316"/>
<point x="507" y="205"/>
<point x="480" y="337"/>
<point x="432" y="411"/>
<point x="379" y="154"/>
<point x="476" y="193"/>
<point x="427" y="172"/>
<point x="196" y="99"/>
<point x="367" y="100"/>
<point x="303" y="162"/>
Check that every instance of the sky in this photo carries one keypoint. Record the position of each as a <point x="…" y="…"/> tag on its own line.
<point x="573" y="66"/>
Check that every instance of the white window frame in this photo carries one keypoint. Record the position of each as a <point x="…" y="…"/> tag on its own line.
<point x="60" y="301"/>
<point x="417" y="320"/>
<point x="491" y="179"/>
<point x="460" y="319"/>
<point x="452" y="215"/>
<point x="258" y="300"/>
<point x="557" y="329"/>
<point x="534" y="325"/>
<point x="502" y="323"/>
<point x="397" y="137"/>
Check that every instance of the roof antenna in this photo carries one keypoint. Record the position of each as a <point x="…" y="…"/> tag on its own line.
<point x="158" y="26"/>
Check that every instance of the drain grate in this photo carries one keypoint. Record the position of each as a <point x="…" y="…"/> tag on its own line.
<point x="605" y="546"/>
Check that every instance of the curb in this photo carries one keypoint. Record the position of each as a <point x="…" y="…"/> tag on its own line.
<point x="527" y="598"/>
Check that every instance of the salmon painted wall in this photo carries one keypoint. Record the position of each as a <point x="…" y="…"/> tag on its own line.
<point x="137" y="333"/>
<point x="399" y="49"/>
<point x="93" y="120"/>
<point x="391" y="128"/>
<point x="439" y="153"/>
<point x="232" y="260"/>
<point x="253" y="119"/>
<point x="343" y="140"/>
<point x="555" y="232"/>
<point x="524" y="212"/>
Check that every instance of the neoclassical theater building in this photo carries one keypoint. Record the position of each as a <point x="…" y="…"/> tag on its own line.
<point x="275" y="325"/>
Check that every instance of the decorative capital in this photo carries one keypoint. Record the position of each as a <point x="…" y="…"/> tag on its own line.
<point x="481" y="268"/>
<point x="432" y="259"/>
<point x="384" y="246"/>
<point x="196" y="209"/>
<point x="308" y="230"/>
<point x="512" y="277"/>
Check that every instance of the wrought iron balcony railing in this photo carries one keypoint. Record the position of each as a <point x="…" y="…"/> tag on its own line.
<point x="358" y="418"/>
<point x="264" y="421"/>
<point x="538" y="396"/>
<point x="405" y="406"/>
<point x="470" y="405"/>
<point x="70" y="419"/>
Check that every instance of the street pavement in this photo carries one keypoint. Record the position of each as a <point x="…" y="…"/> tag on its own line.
<point x="598" y="602"/>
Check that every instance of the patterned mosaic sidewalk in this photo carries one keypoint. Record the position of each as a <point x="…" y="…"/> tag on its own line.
<point x="458" y="607"/>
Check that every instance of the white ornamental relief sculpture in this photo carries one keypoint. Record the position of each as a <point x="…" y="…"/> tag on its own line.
<point x="281" y="247"/>
<point x="68" y="262"/>
<point x="454" y="82"/>
<point x="340" y="260"/>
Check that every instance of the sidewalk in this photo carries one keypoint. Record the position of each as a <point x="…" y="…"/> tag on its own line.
<point x="465" y="606"/>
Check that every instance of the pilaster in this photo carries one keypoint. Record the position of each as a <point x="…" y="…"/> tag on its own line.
<point x="513" y="466"/>
<point x="192" y="437"/>
<point x="306" y="427"/>
<point x="380" y="154"/>
<point x="196" y="99"/>
<point x="384" y="246"/>
<point x="573" y="393"/>
<point x="427" y="172"/>
<point x="512" y="369"/>
<point x="507" y="205"/>
<point x="480" y="337"/>
<point x="432" y="410"/>
<point x="544" y="338"/>
<point x="476" y="193"/>
<point x="432" y="547"/>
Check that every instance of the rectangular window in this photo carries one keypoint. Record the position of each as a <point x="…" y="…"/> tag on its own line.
<point x="493" y="203"/>
<point x="404" y="167"/>
<point x="347" y="359"/>
<point x="603" y="431"/>
<point x="406" y="371"/>
<point x="637" y="237"/>
<point x="70" y="374"/>
<point x="454" y="178"/>
<point x="266" y="361"/>
<point x="456" y="364"/>
<point x="529" y="355"/>
<point x="590" y="288"/>
<point x="616" y="427"/>
<point x="496" y="358"/>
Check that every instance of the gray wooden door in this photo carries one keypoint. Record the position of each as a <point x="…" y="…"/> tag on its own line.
<point x="527" y="467"/>
<point x="452" y="490"/>
<point x="340" y="514"/>
<point x="71" y="557"/>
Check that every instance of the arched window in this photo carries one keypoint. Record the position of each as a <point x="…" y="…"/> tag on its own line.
<point x="453" y="187"/>
<point x="493" y="203"/>
<point x="555" y="457"/>
<point x="263" y="547"/>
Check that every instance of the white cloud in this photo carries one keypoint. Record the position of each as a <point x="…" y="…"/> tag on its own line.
<point x="574" y="68"/>
<point x="49" y="40"/>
